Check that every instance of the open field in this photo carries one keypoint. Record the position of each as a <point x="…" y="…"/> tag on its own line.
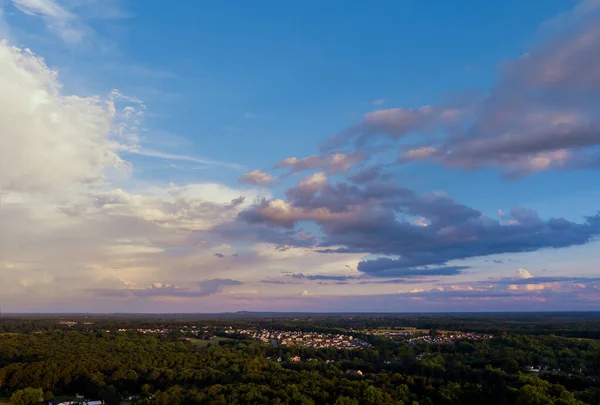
<point x="208" y="342"/>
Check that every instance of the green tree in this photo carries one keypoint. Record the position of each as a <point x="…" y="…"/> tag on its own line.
<point x="531" y="395"/>
<point x="48" y="396"/>
<point x="161" y="398"/>
<point x="111" y="396"/>
<point x="27" y="396"/>
<point x="346" y="401"/>
<point x="373" y="396"/>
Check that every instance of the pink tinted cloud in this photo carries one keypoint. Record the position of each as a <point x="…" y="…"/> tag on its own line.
<point x="257" y="178"/>
<point x="541" y="115"/>
<point x="330" y="163"/>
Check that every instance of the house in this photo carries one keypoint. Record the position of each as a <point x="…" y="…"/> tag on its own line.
<point x="296" y="358"/>
<point x="354" y="372"/>
<point x="79" y="396"/>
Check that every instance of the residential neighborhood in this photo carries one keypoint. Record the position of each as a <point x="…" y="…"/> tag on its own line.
<point x="303" y="339"/>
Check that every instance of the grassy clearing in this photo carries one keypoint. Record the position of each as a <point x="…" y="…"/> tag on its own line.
<point x="208" y="342"/>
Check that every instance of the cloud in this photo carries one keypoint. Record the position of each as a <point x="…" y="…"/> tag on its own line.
<point x="180" y="208"/>
<point x="66" y="225"/>
<point x="329" y="163"/>
<point x="523" y="274"/>
<point x="412" y="279"/>
<point x="395" y="123"/>
<point x="172" y="156"/>
<point x="37" y="122"/>
<point x="79" y="226"/>
<point x="341" y="279"/>
<point x="203" y="289"/>
<point x="519" y="280"/>
<point x="257" y="178"/>
<point x="278" y="282"/>
<point x="541" y="115"/>
<point x="395" y="268"/>
<point x="377" y="217"/>
<point x="57" y="18"/>
<point x="522" y="286"/>
<point x="321" y="277"/>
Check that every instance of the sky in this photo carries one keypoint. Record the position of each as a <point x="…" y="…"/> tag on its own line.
<point x="346" y="156"/>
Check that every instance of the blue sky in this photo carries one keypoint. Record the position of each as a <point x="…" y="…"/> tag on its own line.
<point x="464" y="110"/>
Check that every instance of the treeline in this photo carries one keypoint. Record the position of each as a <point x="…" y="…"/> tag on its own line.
<point x="574" y="325"/>
<point x="166" y="370"/>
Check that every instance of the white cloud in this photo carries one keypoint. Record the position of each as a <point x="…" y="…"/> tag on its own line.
<point x="41" y="7"/>
<point x="63" y="223"/>
<point x="173" y="156"/>
<point x="57" y="18"/>
<point x="50" y="141"/>
<point x="523" y="274"/>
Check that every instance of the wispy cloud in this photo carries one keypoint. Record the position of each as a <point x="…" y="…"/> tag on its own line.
<point x="173" y="156"/>
<point x="58" y="19"/>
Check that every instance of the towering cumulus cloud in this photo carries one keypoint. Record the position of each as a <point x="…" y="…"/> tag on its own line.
<point x="50" y="141"/>
<point x="66" y="230"/>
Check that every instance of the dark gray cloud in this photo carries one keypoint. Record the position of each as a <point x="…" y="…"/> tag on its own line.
<point x="279" y="282"/>
<point x="250" y="228"/>
<point x="385" y="267"/>
<point x="422" y="231"/>
<point x="411" y="280"/>
<point x="219" y="255"/>
<point x="347" y="279"/>
<point x="238" y="201"/>
<point x="333" y="277"/>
